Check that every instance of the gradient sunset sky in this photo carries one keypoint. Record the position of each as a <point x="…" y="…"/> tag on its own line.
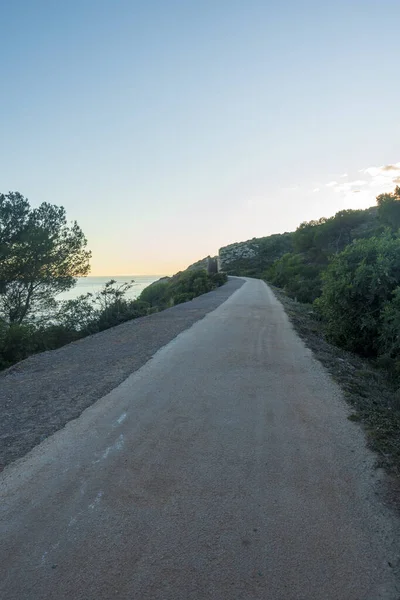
<point x="170" y="128"/>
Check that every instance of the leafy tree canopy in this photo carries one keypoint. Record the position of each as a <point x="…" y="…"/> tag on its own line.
<point x="40" y="256"/>
<point x="389" y="208"/>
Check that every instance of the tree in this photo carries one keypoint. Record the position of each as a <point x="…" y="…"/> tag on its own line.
<point x="40" y="256"/>
<point x="338" y="232"/>
<point x="304" y="236"/>
<point x="389" y="208"/>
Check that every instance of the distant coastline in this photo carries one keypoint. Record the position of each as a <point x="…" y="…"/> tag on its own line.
<point x="95" y="284"/>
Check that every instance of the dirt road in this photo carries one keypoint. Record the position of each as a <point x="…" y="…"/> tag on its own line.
<point x="224" y="468"/>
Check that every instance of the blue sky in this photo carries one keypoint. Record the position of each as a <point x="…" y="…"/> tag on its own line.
<point x="170" y="128"/>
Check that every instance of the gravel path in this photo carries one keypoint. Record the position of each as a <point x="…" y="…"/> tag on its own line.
<point x="44" y="392"/>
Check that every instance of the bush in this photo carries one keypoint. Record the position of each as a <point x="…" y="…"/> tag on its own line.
<point x="17" y="342"/>
<point x="357" y="285"/>
<point x="54" y="336"/>
<point x="219" y="279"/>
<point x="181" y="298"/>
<point x="189" y="284"/>
<point x="79" y="313"/>
<point x="119" y="312"/>
<point x="299" y="279"/>
<point x="389" y="336"/>
<point x="156" y="294"/>
<point x="182" y="287"/>
<point x="91" y="313"/>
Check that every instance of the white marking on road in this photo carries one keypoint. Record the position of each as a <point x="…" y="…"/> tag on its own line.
<point x="45" y="554"/>
<point x="96" y="500"/>
<point x="122" y="418"/>
<point x="117" y="446"/>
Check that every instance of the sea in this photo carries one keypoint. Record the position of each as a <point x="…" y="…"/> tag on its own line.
<point x="95" y="284"/>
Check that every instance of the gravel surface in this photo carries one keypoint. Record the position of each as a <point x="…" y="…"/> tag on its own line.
<point x="41" y="394"/>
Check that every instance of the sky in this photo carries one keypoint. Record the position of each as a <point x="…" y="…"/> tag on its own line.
<point x="170" y="128"/>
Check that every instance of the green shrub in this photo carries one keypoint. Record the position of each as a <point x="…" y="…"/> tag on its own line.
<point x="181" y="298"/>
<point x="120" y="311"/>
<point x="17" y="343"/>
<point x="54" y="336"/>
<point x="182" y="287"/>
<point x="156" y="294"/>
<point x="356" y="287"/>
<point x="389" y="335"/>
<point x="298" y="278"/>
<point x="218" y="279"/>
<point x="79" y="313"/>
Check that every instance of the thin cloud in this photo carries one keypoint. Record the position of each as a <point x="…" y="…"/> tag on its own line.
<point x="349" y="185"/>
<point x="384" y="178"/>
<point x="384" y="170"/>
<point x="372" y="181"/>
<point x="358" y="182"/>
<point x="391" y="168"/>
<point x="292" y="188"/>
<point x="379" y="181"/>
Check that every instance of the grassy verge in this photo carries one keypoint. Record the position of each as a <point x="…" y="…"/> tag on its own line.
<point x="370" y="391"/>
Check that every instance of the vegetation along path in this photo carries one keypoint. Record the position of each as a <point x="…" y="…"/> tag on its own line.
<point x="225" y="467"/>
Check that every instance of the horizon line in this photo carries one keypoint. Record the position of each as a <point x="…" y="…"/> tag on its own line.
<point x="125" y="275"/>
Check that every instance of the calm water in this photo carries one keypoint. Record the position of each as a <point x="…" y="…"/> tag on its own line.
<point x="95" y="284"/>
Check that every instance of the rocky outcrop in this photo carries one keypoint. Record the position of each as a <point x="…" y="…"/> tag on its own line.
<point x="239" y="251"/>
